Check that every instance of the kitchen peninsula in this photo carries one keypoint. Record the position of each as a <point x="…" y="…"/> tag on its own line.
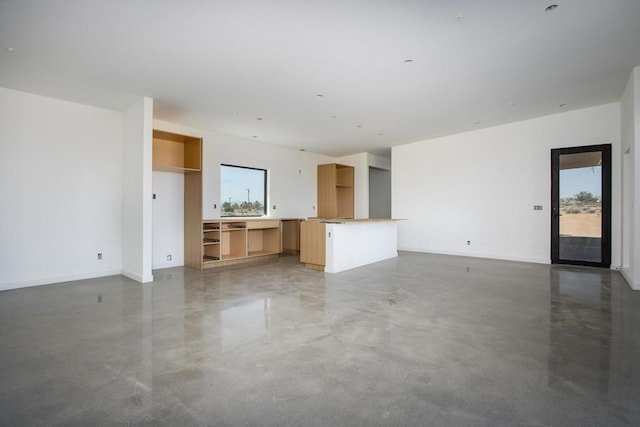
<point x="335" y="245"/>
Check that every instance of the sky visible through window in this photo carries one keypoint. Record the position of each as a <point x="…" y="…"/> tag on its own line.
<point x="573" y="181"/>
<point x="241" y="185"/>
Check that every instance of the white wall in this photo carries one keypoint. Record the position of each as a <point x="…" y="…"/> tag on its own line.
<point x="61" y="188"/>
<point x="168" y="219"/>
<point x="481" y="186"/>
<point x="137" y="191"/>
<point x="630" y="135"/>
<point x="292" y="173"/>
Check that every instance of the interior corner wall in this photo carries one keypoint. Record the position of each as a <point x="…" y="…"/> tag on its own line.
<point x="379" y="162"/>
<point x="61" y="186"/>
<point x="480" y="187"/>
<point x="292" y="175"/>
<point x="137" y="191"/>
<point x="630" y="141"/>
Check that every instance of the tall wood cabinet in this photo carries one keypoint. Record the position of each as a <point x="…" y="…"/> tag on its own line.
<point x="174" y="152"/>
<point x="335" y="191"/>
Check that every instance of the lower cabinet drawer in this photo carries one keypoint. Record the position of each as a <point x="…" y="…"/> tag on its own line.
<point x="273" y="223"/>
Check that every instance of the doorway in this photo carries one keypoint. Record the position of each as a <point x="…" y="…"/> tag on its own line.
<point x="581" y="206"/>
<point x="379" y="193"/>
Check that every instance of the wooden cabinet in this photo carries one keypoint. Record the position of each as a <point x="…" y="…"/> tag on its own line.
<point x="313" y="244"/>
<point x="291" y="235"/>
<point x="173" y="152"/>
<point x="225" y="242"/>
<point x="335" y="191"/>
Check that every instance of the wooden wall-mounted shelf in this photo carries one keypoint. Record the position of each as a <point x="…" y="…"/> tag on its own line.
<point x="176" y="153"/>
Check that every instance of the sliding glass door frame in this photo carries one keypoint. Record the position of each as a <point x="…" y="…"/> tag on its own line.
<point x="605" y="258"/>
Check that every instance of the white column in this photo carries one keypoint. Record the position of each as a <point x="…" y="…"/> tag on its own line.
<point x="137" y="191"/>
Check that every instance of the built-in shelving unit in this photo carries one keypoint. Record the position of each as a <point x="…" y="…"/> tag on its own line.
<point x="227" y="242"/>
<point x="173" y="152"/>
<point x="211" y="243"/>
<point x="182" y="154"/>
<point x="335" y="191"/>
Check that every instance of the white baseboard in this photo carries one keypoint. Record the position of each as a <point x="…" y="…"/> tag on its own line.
<point x="168" y="264"/>
<point x="58" y="279"/>
<point x="476" y="255"/>
<point x="633" y="285"/>
<point x="137" y="277"/>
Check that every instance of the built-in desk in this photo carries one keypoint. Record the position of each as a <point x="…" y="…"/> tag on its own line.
<point x="333" y="246"/>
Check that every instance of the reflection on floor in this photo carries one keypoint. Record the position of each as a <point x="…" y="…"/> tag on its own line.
<point x="581" y="248"/>
<point x="417" y="340"/>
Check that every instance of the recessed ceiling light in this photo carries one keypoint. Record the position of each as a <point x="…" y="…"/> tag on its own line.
<point x="511" y="104"/>
<point x="10" y="49"/>
<point x="319" y="96"/>
<point x="359" y="126"/>
<point x="333" y="117"/>
<point x="380" y="134"/>
<point x="459" y="18"/>
<point x="302" y="149"/>
<point x="562" y="105"/>
<point x="551" y="7"/>
<point x="255" y="136"/>
<point x="259" y="118"/>
<point x="476" y="123"/>
<point x="408" y="61"/>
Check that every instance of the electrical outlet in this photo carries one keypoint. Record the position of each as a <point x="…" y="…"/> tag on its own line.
<point x="537" y="207"/>
<point x="99" y="255"/>
<point x="299" y="171"/>
<point x="154" y="196"/>
<point x="314" y="208"/>
<point x="468" y="242"/>
<point x="274" y="207"/>
<point x="168" y="257"/>
<point x="215" y="206"/>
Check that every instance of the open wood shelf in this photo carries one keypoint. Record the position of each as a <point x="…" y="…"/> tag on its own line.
<point x="335" y="191"/>
<point x="239" y="241"/>
<point x="176" y="153"/>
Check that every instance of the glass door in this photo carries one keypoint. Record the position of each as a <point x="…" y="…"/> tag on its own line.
<point x="581" y="206"/>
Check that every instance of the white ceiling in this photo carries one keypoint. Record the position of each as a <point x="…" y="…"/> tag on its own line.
<point x="221" y="65"/>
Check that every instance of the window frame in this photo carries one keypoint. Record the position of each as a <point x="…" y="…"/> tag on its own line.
<point x="265" y="191"/>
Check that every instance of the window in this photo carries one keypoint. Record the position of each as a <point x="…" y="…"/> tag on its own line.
<point x="243" y="191"/>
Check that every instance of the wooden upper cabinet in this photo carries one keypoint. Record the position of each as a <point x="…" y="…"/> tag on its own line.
<point x="173" y="152"/>
<point x="335" y="191"/>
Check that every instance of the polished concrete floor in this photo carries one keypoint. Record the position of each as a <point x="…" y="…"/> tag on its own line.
<point x="422" y="339"/>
